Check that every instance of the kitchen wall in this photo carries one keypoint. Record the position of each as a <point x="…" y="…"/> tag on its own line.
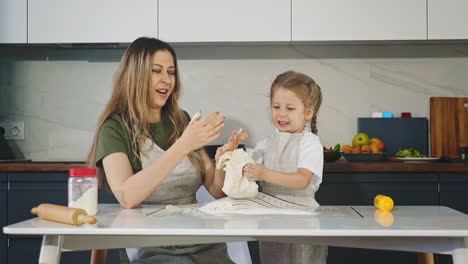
<point x="59" y="92"/>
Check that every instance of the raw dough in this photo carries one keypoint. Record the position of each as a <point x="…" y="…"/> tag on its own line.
<point x="235" y="184"/>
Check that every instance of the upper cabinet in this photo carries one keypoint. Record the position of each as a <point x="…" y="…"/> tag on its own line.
<point x="13" y="25"/>
<point x="89" y="21"/>
<point x="122" y="21"/>
<point x="447" y="19"/>
<point x="224" y="21"/>
<point x="334" y="20"/>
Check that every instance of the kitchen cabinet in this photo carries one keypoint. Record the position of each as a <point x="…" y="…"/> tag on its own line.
<point x="13" y="21"/>
<point x="343" y="20"/>
<point x="88" y="21"/>
<point x="453" y="191"/>
<point x="224" y="21"/>
<point x="30" y="189"/>
<point x="3" y="216"/>
<point x="360" y="189"/>
<point x="447" y="19"/>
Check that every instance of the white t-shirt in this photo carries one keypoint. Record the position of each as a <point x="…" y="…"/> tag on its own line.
<point x="310" y="155"/>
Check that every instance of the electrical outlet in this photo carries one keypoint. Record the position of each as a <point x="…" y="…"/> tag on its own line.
<point x="13" y="130"/>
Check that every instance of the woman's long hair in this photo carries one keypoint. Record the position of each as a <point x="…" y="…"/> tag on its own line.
<point x="130" y="102"/>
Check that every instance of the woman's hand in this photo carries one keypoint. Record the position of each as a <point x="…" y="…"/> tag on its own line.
<point x="233" y="142"/>
<point x="254" y="172"/>
<point x="201" y="132"/>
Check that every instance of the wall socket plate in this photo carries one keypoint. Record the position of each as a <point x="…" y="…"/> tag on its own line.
<point x="13" y="130"/>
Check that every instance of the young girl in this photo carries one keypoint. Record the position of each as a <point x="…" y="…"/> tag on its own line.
<point x="290" y="162"/>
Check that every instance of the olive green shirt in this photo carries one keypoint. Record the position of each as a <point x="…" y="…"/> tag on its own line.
<point x="113" y="138"/>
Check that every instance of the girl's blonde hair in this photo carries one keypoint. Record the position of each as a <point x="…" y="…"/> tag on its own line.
<point x="130" y="102"/>
<point x="304" y="87"/>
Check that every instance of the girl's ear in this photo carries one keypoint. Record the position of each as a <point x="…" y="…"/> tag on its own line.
<point x="309" y="113"/>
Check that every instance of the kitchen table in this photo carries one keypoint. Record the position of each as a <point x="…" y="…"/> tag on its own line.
<point x="435" y="229"/>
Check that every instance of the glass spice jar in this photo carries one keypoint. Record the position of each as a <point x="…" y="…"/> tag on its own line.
<point x="83" y="189"/>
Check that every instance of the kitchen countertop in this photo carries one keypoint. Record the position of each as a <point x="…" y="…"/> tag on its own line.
<point x="329" y="167"/>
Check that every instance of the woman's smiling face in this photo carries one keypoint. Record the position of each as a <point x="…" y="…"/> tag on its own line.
<point x="288" y="112"/>
<point x="163" y="78"/>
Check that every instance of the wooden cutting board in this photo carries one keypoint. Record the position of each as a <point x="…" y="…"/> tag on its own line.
<point x="449" y="125"/>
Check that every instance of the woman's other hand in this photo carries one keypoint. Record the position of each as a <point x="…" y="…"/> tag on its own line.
<point x="202" y="131"/>
<point x="233" y="142"/>
<point x="253" y="172"/>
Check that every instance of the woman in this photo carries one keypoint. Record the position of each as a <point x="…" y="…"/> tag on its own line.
<point x="150" y="151"/>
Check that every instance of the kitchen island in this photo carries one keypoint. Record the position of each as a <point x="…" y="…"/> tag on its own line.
<point x="25" y="185"/>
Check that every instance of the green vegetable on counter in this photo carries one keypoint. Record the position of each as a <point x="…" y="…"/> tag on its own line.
<point x="337" y="148"/>
<point x="409" y="153"/>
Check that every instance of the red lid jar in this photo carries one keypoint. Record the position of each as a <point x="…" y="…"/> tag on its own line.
<point x="83" y="189"/>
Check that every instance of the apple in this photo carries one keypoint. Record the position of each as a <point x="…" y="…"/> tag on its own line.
<point x="375" y="141"/>
<point x="360" y="139"/>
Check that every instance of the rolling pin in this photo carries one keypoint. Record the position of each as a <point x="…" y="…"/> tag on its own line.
<point x="63" y="214"/>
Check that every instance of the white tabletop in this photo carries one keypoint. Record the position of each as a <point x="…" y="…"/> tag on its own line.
<point x="408" y="228"/>
<point x="403" y="221"/>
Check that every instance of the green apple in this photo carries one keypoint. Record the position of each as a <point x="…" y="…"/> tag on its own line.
<point x="360" y="139"/>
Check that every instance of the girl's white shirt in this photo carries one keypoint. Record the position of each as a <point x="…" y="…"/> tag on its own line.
<point x="310" y="154"/>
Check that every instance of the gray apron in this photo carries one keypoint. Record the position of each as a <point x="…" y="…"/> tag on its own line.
<point x="178" y="188"/>
<point x="282" y="154"/>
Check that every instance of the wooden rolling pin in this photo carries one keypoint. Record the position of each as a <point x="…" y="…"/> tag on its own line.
<point x="63" y="214"/>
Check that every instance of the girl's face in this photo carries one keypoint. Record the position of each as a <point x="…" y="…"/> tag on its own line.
<point x="288" y="112"/>
<point x="163" y="78"/>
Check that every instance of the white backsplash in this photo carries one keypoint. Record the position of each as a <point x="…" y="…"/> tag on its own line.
<point x="59" y="100"/>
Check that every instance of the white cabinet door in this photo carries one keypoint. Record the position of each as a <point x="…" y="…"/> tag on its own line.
<point x="224" y="21"/>
<point x="322" y="20"/>
<point x="13" y="17"/>
<point x="89" y="21"/>
<point x="447" y="19"/>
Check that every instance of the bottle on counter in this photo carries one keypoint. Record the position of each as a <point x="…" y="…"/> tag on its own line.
<point x="83" y="189"/>
<point x="383" y="203"/>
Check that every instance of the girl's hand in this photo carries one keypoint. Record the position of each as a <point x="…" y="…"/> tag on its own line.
<point x="254" y="172"/>
<point x="201" y="132"/>
<point x="233" y="142"/>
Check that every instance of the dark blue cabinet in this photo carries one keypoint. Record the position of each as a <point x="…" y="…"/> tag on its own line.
<point x="3" y="216"/>
<point x="360" y="189"/>
<point x="28" y="190"/>
<point x="453" y="193"/>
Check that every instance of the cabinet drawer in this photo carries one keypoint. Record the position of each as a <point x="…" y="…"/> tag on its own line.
<point x="364" y="193"/>
<point x="26" y="250"/>
<point x="379" y="177"/>
<point x="28" y="190"/>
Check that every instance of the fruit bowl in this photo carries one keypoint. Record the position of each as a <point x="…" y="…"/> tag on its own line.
<point x="331" y="156"/>
<point x="365" y="156"/>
